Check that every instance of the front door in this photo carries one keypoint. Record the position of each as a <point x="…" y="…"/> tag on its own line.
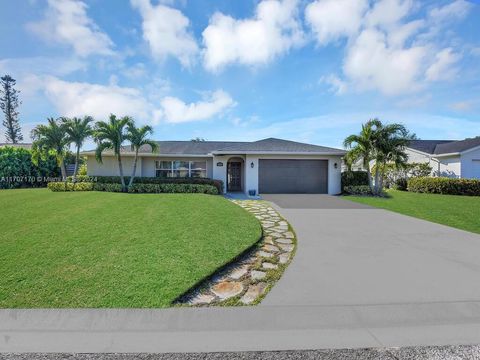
<point x="234" y="176"/>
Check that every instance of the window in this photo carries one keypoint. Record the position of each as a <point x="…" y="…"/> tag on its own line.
<point x="180" y="169"/>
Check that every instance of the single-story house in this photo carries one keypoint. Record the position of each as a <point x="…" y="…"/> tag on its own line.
<point x="450" y="158"/>
<point x="265" y="166"/>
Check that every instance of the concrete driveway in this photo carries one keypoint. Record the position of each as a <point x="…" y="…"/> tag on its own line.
<point x="351" y="254"/>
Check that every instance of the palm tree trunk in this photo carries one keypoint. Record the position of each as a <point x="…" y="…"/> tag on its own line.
<point x="377" y="177"/>
<point x="370" y="180"/>
<point x="62" y="169"/>
<point x="134" y="168"/>
<point x="77" y="158"/>
<point x="120" y="169"/>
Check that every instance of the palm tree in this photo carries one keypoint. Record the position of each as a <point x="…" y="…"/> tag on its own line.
<point x="138" y="138"/>
<point x="78" y="130"/>
<point x="362" y="146"/>
<point x="51" y="138"/>
<point x="381" y="144"/>
<point x="110" y="135"/>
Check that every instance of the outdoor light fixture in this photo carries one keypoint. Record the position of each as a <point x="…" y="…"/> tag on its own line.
<point x="335" y="165"/>
<point x="252" y="164"/>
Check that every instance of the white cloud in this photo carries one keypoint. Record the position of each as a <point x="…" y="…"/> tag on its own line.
<point x="455" y="10"/>
<point x="442" y="68"/>
<point x="67" y="22"/>
<point x="333" y="19"/>
<point x="175" y="110"/>
<point x="386" y="13"/>
<point x="272" y="31"/>
<point x="337" y="85"/>
<point x="371" y="64"/>
<point x="166" y="31"/>
<point x="80" y="98"/>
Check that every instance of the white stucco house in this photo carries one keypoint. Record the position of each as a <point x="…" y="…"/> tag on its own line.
<point x="450" y="158"/>
<point x="265" y="166"/>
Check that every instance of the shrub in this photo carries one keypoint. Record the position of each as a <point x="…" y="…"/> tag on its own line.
<point x="67" y="186"/>
<point x="82" y="170"/>
<point x="107" y="187"/>
<point x="400" y="184"/>
<point x="446" y="186"/>
<point x="354" y="178"/>
<point x="17" y="169"/>
<point x="173" y="188"/>
<point x="151" y="180"/>
<point x="358" y="190"/>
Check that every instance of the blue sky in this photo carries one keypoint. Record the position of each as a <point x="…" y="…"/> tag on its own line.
<point x="309" y="71"/>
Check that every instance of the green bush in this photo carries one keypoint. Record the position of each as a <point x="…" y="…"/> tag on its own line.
<point x="400" y="184"/>
<point x="67" y="186"/>
<point x="358" y="190"/>
<point x="107" y="187"/>
<point x="446" y="186"/>
<point x="354" y="178"/>
<point x="17" y="169"/>
<point x="151" y="180"/>
<point x="173" y="188"/>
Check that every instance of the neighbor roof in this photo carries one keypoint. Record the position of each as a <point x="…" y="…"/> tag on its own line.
<point x="439" y="147"/>
<point x="271" y="145"/>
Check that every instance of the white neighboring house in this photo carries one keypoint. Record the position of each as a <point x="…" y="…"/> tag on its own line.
<point x="266" y="166"/>
<point x="449" y="158"/>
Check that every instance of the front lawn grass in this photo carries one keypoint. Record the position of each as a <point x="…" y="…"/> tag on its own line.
<point x="96" y="249"/>
<point x="462" y="212"/>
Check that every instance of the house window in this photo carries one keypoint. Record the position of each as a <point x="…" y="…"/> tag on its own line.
<point x="180" y="169"/>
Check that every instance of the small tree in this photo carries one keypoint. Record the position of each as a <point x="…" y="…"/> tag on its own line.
<point x="78" y="130"/>
<point x="50" y="138"/>
<point x="9" y="104"/>
<point x="138" y="137"/>
<point x="110" y="135"/>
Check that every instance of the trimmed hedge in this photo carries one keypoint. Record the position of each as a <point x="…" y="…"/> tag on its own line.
<point x="443" y="185"/>
<point x="150" y="180"/>
<point x="135" y="188"/>
<point x="358" y="190"/>
<point x="66" y="186"/>
<point x="354" y="178"/>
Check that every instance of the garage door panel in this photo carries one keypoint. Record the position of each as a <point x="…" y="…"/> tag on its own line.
<point x="283" y="176"/>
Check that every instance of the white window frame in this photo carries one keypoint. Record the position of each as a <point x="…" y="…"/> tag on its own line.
<point x="171" y="169"/>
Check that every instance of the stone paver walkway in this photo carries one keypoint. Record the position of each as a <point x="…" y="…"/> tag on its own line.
<point x="247" y="280"/>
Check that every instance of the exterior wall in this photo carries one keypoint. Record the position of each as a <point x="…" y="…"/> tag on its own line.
<point x="470" y="161"/>
<point x="145" y="165"/>
<point x="109" y="166"/>
<point x="220" y="172"/>
<point x="448" y="167"/>
<point x="418" y="157"/>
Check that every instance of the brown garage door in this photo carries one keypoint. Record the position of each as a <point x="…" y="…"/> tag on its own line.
<point x="293" y="176"/>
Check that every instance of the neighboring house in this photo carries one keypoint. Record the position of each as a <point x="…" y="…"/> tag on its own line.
<point x="27" y="146"/>
<point x="450" y="158"/>
<point x="265" y="166"/>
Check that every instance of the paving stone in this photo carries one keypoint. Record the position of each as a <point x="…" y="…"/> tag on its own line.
<point x="202" y="299"/>
<point x="283" y="241"/>
<point x="268" y="240"/>
<point x="238" y="272"/>
<point x="227" y="289"/>
<point x="289" y="235"/>
<point x="267" y="265"/>
<point x="253" y="292"/>
<point x="271" y="248"/>
<point x="283" y="258"/>
<point x="264" y="254"/>
<point x="257" y="275"/>
<point x="283" y="222"/>
<point x="276" y="235"/>
<point x="286" y="247"/>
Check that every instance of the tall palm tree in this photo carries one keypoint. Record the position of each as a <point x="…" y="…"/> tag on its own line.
<point x="139" y="137"/>
<point x="391" y="143"/>
<point x="362" y="146"/>
<point x="51" y="138"/>
<point x="78" y="130"/>
<point x="110" y="135"/>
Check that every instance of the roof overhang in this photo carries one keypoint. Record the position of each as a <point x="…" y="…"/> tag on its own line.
<point x="339" y="153"/>
<point x="92" y="153"/>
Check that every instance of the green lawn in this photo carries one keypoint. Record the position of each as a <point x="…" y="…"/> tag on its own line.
<point x="95" y="249"/>
<point x="462" y="212"/>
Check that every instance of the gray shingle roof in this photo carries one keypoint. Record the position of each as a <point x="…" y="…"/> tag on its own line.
<point x="208" y="147"/>
<point x="439" y="147"/>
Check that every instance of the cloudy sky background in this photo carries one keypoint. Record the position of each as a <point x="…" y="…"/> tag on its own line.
<point x="309" y="71"/>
